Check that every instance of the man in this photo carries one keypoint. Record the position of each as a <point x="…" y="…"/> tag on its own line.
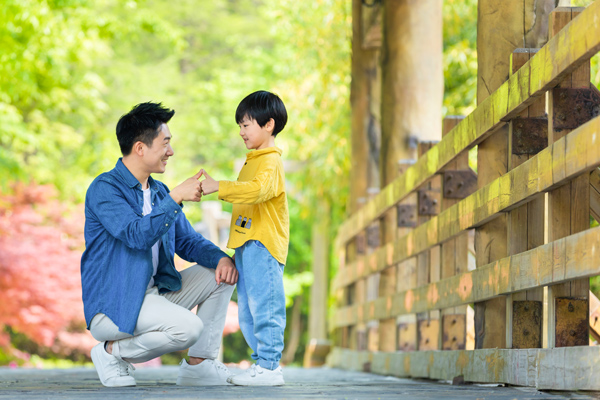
<point x="135" y="302"/>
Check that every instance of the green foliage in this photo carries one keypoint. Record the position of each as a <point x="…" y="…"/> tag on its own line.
<point x="460" y="56"/>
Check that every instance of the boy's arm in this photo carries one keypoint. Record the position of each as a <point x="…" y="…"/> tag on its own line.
<point x="263" y="187"/>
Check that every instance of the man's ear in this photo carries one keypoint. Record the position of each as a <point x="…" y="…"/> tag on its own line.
<point x="138" y="148"/>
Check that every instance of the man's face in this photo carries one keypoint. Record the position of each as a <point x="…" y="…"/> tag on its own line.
<point x="255" y="136"/>
<point x="155" y="157"/>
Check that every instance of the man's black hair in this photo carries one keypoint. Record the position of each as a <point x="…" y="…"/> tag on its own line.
<point x="261" y="106"/>
<point x="142" y="124"/>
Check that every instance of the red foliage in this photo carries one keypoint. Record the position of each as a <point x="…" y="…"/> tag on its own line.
<point x="41" y="241"/>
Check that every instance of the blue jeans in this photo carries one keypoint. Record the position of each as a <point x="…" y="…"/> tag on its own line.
<point x="261" y="302"/>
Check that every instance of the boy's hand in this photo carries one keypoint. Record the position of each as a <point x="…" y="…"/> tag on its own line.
<point x="226" y="272"/>
<point x="209" y="185"/>
<point x="188" y="190"/>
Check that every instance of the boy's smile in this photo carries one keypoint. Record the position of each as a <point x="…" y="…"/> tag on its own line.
<point x="257" y="137"/>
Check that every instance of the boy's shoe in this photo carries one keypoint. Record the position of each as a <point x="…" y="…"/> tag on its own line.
<point x="207" y="373"/>
<point x="258" y="376"/>
<point x="112" y="371"/>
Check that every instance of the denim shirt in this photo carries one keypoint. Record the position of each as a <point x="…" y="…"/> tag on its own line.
<point x="116" y="265"/>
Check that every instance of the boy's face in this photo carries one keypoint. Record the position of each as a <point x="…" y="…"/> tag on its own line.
<point x="257" y="137"/>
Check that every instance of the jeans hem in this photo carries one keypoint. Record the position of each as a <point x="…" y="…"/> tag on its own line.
<point x="270" y="365"/>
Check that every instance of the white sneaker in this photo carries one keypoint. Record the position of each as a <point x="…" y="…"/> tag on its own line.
<point x="207" y="373"/>
<point x="111" y="370"/>
<point x="258" y="376"/>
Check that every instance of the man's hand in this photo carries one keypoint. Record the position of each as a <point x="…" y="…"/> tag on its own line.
<point x="188" y="190"/>
<point x="226" y="272"/>
<point x="209" y="185"/>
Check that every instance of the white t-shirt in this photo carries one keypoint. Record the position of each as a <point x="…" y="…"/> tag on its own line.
<point x="146" y="210"/>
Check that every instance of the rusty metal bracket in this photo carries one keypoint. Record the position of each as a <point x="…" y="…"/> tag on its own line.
<point x="454" y="332"/>
<point x="407" y="215"/>
<point x="407" y="336"/>
<point x="429" y="203"/>
<point x="459" y="184"/>
<point x="428" y="331"/>
<point x="373" y="236"/>
<point x="361" y="243"/>
<point x="361" y="340"/>
<point x="572" y="322"/>
<point x="527" y="325"/>
<point x="529" y="135"/>
<point x="574" y="107"/>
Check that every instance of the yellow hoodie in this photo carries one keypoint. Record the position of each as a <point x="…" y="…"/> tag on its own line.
<point x="260" y="210"/>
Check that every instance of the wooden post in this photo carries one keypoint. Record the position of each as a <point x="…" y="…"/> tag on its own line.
<point x="428" y="262"/>
<point x="412" y="91"/>
<point x="455" y="252"/>
<point x="501" y="27"/>
<point x="365" y="94"/>
<point x="318" y="346"/>
<point x="569" y="205"/>
<point x="528" y="134"/>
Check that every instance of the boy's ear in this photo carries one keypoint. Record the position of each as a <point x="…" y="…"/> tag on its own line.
<point x="270" y="125"/>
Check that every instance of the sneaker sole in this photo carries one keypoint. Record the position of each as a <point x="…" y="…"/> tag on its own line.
<point x="258" y="383"/>
<point x="182" y="381"/>
<point x="95" y="360"/>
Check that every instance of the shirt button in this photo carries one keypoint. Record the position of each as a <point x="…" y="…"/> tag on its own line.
<point x="152" y="203"/>
<point x="166" y="224"/>
<point x="175" y="211"/>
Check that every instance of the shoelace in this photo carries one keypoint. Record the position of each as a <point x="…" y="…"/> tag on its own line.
<point x="255" y="369"/>
<point x="125" y="368"/>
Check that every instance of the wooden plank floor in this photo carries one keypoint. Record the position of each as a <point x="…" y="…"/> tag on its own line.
<point x="316" y="383"/>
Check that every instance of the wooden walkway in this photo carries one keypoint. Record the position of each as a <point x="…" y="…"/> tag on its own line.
<point x="316" y="383"/>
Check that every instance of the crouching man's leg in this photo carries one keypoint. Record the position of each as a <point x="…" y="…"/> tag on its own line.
<point x="200" y="288"/>
<point x="162" y="327"/>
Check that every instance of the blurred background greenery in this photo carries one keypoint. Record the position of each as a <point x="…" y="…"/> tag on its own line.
<point x="70" y="68"/>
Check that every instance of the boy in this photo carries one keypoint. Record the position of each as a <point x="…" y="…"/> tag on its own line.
<point x="260" y="235"/>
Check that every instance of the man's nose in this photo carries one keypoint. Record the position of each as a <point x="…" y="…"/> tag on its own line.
<point x="170" y="151"/>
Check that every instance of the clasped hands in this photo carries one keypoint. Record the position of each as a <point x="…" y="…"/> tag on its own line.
<point x="192" y="188"/>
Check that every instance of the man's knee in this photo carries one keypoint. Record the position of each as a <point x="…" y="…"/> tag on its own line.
<point x="191" y="330"/>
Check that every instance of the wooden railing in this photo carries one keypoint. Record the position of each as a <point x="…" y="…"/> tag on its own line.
<point x="551" y="179"/>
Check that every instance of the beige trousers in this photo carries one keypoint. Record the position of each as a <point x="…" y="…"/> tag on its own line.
<point x="165" y="323"/>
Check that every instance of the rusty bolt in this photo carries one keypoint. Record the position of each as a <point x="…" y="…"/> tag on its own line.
<point x="526" y="307"/>
<point x="448" y="191"/>
<point x="448" y="177"/>
<point x="525" y="332"/>
<point x="427" y="324"/>
<point x="571" y="308"/>
<point x="434" y="201"/>
<point x="454" y="339"/>
<point x="520" y="125"/>
<point x="460" y="184"/>
<point x="562" y="117"/>
<point x="426" y="341"/>
<point x="572" y="332"/>
<point x="453" y="321"/>
<point x="578" y="108"/>
<point x="563" y="95"/>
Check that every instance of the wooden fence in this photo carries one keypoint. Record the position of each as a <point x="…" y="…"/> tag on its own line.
<point x="540" y="290"/>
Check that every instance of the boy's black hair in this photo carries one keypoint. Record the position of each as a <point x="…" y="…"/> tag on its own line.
<point x="142" y="124"/>
<point x="262" y="106"/>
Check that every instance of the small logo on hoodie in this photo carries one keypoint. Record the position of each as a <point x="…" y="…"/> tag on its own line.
<point x="244" y="222"/>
